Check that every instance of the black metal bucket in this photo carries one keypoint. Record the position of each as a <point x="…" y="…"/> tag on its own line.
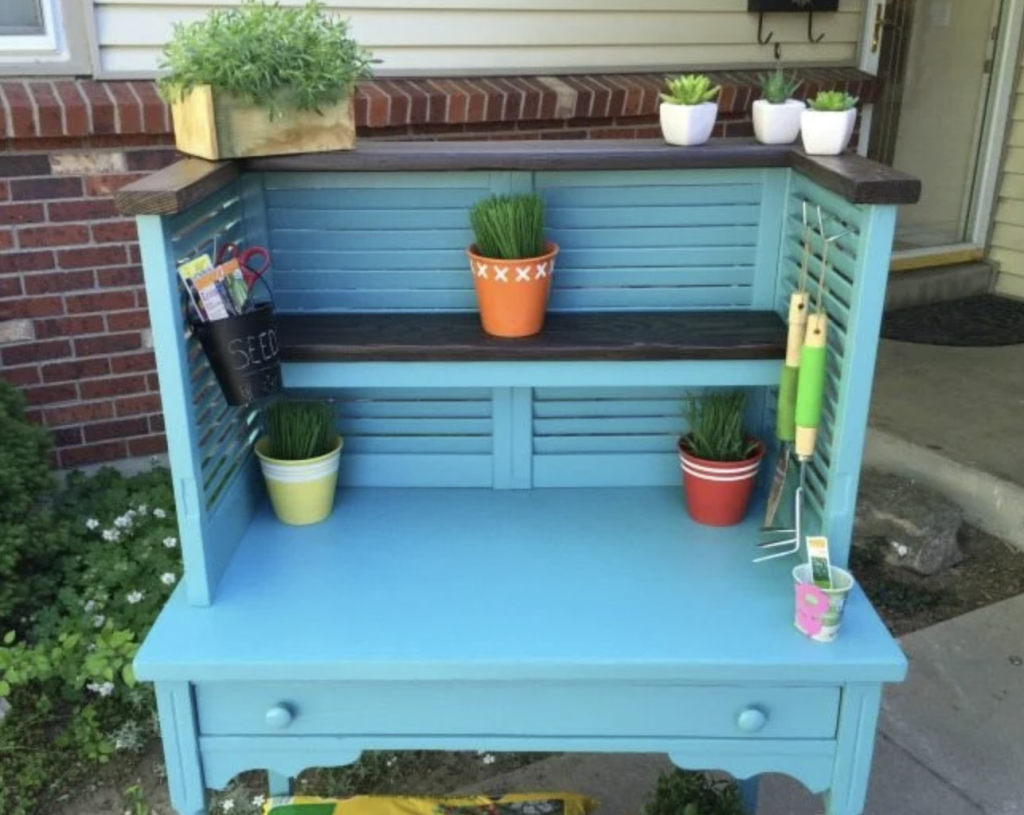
<point x="244" y="354"/>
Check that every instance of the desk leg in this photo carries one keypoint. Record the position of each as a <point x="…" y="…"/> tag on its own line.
<point x="180" y="738"/>
<point x="748" y="793"/>
<point x="279" y="785"/>
<point x="858" y="718"/>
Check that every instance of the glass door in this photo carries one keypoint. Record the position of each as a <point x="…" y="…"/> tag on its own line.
<point x="936" y="60"/>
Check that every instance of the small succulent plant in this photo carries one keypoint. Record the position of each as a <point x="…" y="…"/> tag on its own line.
<point x="777" y="87"/>
<point x="689" y="89"/>
<point x="834" y="101"/>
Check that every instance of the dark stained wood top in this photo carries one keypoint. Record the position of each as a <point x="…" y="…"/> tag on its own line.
<point x="175" y="188"/>
<point x="855" y="178"/>
<point x="692" y="335"/>
<point x="858" y="179"/>
<point x="569" y="154"/>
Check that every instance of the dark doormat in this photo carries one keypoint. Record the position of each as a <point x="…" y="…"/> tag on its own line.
<point x="974" y="322"/>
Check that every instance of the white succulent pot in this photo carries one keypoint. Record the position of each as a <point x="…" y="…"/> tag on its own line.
<point x="688" y="125"/>
<point x="777" y="124"/>
<point x="827" y="132"/>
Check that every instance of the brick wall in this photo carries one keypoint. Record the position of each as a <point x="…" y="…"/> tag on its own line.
<point x="73" y="323"/>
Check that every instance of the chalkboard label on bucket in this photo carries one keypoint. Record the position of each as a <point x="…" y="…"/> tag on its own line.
<point x="244" y="354"/>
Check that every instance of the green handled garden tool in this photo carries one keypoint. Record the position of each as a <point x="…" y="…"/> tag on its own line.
<point x="807" y="406"/>
<point x="785" y="412"/>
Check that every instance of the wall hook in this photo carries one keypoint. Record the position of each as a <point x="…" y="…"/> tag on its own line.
<point x="778" y="51"/>
<point x="761" y="39"/>
<point x="810" y="29"/>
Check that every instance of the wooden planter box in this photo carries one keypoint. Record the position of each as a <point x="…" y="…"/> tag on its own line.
<point x="215" y="125"/>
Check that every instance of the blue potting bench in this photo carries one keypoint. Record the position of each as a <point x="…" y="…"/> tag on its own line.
<point x="509" y="565"/>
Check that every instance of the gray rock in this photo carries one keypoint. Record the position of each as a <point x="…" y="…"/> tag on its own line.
<point x="919" y="525"/>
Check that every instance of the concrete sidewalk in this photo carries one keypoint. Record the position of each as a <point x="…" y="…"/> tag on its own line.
<point x="951" y="738"/>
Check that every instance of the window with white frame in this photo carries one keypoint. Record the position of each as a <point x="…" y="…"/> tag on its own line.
<point x="42" y="37"/>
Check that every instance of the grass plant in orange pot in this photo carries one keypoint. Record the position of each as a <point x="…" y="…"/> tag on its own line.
<point x="719" y="459"/>
<point x="511" y="263"/>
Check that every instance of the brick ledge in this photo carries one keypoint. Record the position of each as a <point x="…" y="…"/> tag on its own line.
<point x="70" y="108"/>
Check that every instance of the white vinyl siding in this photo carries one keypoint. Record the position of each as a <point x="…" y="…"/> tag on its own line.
<point x="1007" y="246"/>
<point x="517" y="36"/>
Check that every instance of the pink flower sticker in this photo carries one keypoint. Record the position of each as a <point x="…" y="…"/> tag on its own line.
<point x="811" y="608"/>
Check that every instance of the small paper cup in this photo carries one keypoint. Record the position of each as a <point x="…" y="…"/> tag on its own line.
<point x="819" y="612"/>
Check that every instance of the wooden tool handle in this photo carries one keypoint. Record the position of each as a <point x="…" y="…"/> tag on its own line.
<point x="797" y="327"/>
<point x="811" y="385"/>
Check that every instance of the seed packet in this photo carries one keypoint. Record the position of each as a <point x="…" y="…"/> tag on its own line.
<point x="213" y="296"/>
<point x="821" y="564"/>
<point x="234" y="283"/>
<point x="187" y="272"/>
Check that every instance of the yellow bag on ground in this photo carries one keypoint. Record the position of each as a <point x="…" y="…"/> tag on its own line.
<point x="536" y="803"/>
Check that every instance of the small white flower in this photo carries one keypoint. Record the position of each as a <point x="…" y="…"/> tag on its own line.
<point x="98" y="620"/>
<point x="168" y="578"/>
<point x="259" y="800"/>
<point x="104" y="689"/>
<point x="92" y="523"/>
<point x="135" y="597"/>
<point x="171" y="543"/>
<point x="488" y="759"/>
<point x="143" y="509"/>
<point x="159" y="513"/>
<point x="111" y="535"/>
<point x="90" y="607"/>
<point x="123" y="522"/>
<point x="227" y="805"/>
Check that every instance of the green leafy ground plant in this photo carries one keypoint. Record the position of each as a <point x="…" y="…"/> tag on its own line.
<point x="834" y="101"/>
<point x="299" y="430"/>
<point x="509" y="227"/>
<point x="716" y="427"/>
<point x="65" y="661"/>
<point x="689" y="793"/>
<point x="689" y="89"/>
<point x="267" y="55"/>
<point x="777" y="87"/>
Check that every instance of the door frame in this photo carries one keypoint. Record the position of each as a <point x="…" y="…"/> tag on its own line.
<point x="994" y="133"/>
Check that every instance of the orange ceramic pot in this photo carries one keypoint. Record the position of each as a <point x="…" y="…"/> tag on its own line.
<point x="512" y="294"/>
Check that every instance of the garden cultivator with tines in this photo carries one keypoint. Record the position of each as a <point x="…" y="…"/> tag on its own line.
<point x="800" y="401"/>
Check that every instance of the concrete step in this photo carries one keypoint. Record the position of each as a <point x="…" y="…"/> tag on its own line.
<point x="934" y="285"/>
<point x="991" y="503"/>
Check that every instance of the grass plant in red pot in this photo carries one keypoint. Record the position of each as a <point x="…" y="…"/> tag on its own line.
<point x="511" y="263"/>
<point x="719" y="459"/>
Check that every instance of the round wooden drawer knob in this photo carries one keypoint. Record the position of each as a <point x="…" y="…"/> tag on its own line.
<point x="752" y="720"/>
<point x="279" y="717"/>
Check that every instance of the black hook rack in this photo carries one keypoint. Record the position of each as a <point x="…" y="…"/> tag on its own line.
<point x="810" y="29"/>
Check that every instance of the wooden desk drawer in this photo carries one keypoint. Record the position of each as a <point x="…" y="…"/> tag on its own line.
<point x="517" y="709"/>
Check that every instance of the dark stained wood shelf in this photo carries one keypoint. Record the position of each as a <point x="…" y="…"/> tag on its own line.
<point x="857" y="179"/>
<point x="433" y="337"/>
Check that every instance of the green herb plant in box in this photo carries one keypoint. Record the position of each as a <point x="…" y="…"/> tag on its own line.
<point x="263" y="79"/>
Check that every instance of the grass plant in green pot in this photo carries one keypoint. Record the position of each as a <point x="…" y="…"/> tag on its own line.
<point x="299" y="454"/>
<point x="719" y="458"/>
<point x="263" y="79"/>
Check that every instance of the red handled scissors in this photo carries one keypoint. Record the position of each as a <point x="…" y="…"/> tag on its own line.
<point x="253" y="261"/>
